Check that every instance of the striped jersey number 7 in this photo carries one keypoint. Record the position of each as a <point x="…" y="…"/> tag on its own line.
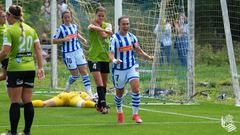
<point x="117" y="78"/>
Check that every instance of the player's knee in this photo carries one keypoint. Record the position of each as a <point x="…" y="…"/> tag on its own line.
<point x="136" y="90"/>
<point x="120" y="92"/>
<point x="83" y="70"/>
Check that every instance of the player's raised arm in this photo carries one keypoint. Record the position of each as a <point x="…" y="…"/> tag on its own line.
<point x="103" y="32"/>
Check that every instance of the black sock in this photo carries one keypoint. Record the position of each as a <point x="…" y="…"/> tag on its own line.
<point x="14" y="114"/>
<point x="101" y="97"/>
<point x="28" y="116"/>
<point x="105" y="90"/>
<point x="104" y="96"/>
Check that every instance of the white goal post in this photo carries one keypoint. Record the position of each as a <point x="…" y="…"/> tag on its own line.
<point x="54" y="72"/>
<point x="191" y="50"/>
<point x="232" y="61"/>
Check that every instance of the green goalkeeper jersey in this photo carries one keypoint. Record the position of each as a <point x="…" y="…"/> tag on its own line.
<point x="2" y="28"/>
<point x="21" y="40"/>
<point x="99" y="47"/>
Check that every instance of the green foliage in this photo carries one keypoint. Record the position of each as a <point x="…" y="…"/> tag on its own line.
<point x="207" y="55"/>
<point x="237" y="52"/>
<point x="33" y="18"/>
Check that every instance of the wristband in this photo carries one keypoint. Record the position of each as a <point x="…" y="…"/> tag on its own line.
<point x="114" y="61"/>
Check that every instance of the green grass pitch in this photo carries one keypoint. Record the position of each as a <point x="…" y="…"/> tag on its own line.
<point x="201" y="119"/>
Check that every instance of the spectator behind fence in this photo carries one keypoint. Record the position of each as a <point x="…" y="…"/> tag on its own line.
<point x="45" y="9"/>
<point x="46" y="16"/>
<point x="45" y="40"/>
<point x="165" y="40"/>
<point x="62" y="7"/>
<point x="181" y="43"/>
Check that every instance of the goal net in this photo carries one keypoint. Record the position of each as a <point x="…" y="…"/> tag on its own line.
<point x="165" y="78"/>
<point x="154" y="23"/>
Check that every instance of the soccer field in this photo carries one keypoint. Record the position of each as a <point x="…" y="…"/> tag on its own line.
<point x="200" y="119"/>
<point x="196" y="49"/>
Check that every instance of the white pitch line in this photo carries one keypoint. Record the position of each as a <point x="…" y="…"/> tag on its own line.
<point x="112" y="124"/>
<point x="179" y="114"/>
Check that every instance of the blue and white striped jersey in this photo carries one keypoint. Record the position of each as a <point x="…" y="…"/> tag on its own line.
<point x="123" y="46"/>
<point x="71" y="31"/>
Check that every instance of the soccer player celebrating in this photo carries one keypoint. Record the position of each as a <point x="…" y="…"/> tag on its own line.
<point x="21" y="44"/>
<point x="67" y="35"/>
<point x="98" y="58"/>
<point x="2" y="28"/>
<point x="123" y="45"/>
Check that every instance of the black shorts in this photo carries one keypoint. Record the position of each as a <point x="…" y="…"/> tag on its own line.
<point x="5" y="63"/>
<point x="20" y="79"/>
<point x="102" y="67"/>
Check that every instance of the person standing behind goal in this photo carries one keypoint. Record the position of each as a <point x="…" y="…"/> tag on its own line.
<point x="98" y="59"/>
<point x="123" y="45"/>
<point x="21" y="44"/>
<point x="181" y="42"/>
<point x="67" y="34"/>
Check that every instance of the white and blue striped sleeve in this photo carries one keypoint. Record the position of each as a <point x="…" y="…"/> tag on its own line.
<point x="112" y="44"/>
<point x="58" y="34"/>
<point x="135" y="40"/>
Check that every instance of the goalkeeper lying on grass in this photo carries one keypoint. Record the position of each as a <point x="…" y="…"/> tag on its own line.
<point x="74" y="99"/>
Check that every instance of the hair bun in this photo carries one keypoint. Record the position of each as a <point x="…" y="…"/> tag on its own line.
<point x="15" y="10"/>
<point x="19" y="10"/>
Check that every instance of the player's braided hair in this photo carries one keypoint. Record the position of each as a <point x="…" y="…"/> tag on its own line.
<point x="16" y="12"/>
